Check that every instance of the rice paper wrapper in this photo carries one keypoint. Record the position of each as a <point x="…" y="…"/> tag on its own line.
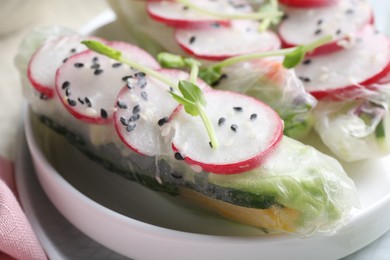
<point x="357" y="126"/>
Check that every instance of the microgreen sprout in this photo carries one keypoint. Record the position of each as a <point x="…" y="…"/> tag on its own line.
<point x="269" y="12"/>
<point x="193" y="101"/>
<point x="211" y="74"/>
<point x="191" y="97"/>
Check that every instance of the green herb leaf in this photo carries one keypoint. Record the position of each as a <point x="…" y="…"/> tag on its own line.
<point x="210" y="75"/>
<point x="191" y="92"/>
<point x="189" y="106"/>
<point x="293" y="58"/>
<point x="102" y="49"/>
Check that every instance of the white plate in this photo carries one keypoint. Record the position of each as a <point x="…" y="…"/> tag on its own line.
<point x="141" y="224"/>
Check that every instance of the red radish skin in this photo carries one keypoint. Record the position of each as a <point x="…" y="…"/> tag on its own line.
<point x="190" y="142"/>
<point x="55" y="51"/>
<point x="146" y="135"/>
<point x="311" y="23"/>
<point x="177" y="15"/>
<point x="308" y="3"/>
<point x="365" y="62"/>
<point x="89" y="91"/>
<point x="216" y="43"/>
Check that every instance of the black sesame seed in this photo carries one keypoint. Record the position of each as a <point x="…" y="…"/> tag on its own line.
<point x="71" y="102"/>
<point x="121" y="104"/>
<point x="185" y="8"/>
<point x="142" y="83"/>
<point x="103" y="113"/>
<point x="162" y="121"/>
<point x="134" y="118"/>
<point x="73" y="50"/>
<point x="179" y="157"/>
<point x="211" y="145"/>
<point x="139" y="75"/>
<point x="65" y="85"/>
<point x="67" y="92"/>
<point x="123" y="121"/>
<point x="285" y="17"/>
<point x="253" y="116"/>
<point x="81" y="101"/>
<point x="237" y="109"/>
<point x="318" y="31"/>
<point x="304" y="79"/>
<point x="192" y="39"/>
<point x="130" y="128"/>
<point x="234" y="127"/>
<point x="144" y="95"/>
<point x="349" y="11"/>
<point x="95" y="66"/>
<point x="306" y="62"/>
<point x="79" y="65"/>
<point x="136" y="109"/>
<point x="125" y="78"/>
<point x="338" y="32"/>
<point x="43" y="96"/>
<point x="95" y="59"/>
<point x="98" y="72"/>
<point x="64" y="60"/>
<point x="215" y="25"/>
<point x="221" y="121"/>
<point x="320" y="21"/>
<point x="88" y="102"/>
<point x="116" y="65"/>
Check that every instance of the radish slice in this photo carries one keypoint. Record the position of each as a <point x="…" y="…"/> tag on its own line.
<point x="308" y="3"/>
<point x="340" y="20"/>
<point x="178" y="15"/>
<point x="48" y="58"/>
<point x="88" y="83"/>
<point x="247" y="131"/>
<point x="221" y="42"/>
<point x="143" y="110"/>
<point x="364" y="61"/>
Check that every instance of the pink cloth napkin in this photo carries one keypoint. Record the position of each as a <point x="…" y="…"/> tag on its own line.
<point x="17" y="239"/>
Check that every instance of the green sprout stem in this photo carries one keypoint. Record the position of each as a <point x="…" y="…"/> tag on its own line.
<point x="117" y="55"/>
<point x="206" y="120"/>
<point x="194" y="73"/>
<point x="282" y="52"/>
<point x="251" y="16"/>
<point x="209" y="126"/>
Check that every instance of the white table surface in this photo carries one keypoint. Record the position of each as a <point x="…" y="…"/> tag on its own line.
<point x="74" y="14"/>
